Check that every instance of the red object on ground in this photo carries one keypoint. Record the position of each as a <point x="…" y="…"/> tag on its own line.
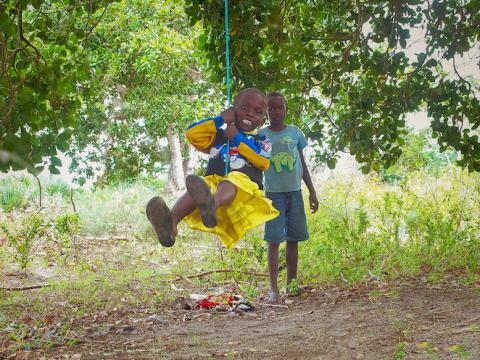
<point x="206" y="303"/>
<point x="212" y="301"/>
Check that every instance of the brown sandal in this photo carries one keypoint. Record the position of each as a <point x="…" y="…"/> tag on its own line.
<point x="159" y="216"/>
<point x="202" y="196"/>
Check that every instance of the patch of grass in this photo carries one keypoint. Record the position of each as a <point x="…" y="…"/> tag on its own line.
<point x="399" y="352"/>
<point x="58" y="187"/>
<point x="364" y="227"/>
<point x="12" y="195"/>
<point x="118" y="210"/>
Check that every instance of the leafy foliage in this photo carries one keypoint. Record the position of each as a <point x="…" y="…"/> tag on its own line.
<point x="148" y="78"/>
<point x="43" y="72"/>
<point x="345" y="69"/>
<point x="23" y="235"/>
<point x="419" y="154"/>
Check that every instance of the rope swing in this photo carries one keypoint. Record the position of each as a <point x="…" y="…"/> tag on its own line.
<point x="227" y="65"/>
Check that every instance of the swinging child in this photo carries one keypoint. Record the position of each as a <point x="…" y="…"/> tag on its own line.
<point x="229" y="201"/>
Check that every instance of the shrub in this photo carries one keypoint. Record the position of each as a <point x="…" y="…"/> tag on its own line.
<point x="22" y="236"/>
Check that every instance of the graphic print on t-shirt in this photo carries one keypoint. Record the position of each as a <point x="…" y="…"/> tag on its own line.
<point x="285" y="157"/>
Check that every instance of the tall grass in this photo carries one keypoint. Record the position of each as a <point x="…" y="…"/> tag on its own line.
<point x="367" y="229"/>
<point x="364" y="228"/>
<point x="374" y="230"/>
<point x="117" y="210"/>
<point x="12" y="194"/>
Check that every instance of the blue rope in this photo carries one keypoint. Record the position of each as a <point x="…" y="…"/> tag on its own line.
<point x="227" y="63"/>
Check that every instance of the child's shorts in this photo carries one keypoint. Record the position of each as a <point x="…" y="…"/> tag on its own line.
<point x="291" y="224"/>
<point x="249" y="209"/>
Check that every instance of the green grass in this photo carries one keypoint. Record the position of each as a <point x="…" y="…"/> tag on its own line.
<point x="364" y="228"/>
<point x="12" y="194"/>
<point x="117" y="210"/>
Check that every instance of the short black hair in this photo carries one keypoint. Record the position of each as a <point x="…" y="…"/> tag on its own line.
<point x="276" y="94"/>
<point x="246" y="91"/>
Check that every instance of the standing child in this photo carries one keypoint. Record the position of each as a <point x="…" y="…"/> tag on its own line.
<point x="226" y="205"/>
<point x="283" y="186"/>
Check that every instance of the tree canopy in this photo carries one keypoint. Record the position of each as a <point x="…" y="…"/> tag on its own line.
<point x="43" y="72"/>
<point x="148" y="78"/>
<point x="344" y="68"/>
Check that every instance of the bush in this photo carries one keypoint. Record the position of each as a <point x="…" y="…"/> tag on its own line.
<point x="23" y="235"/>
<point x="419" y="154"/>
<point x="428" y="224"/>
<point x="67" y="228"/>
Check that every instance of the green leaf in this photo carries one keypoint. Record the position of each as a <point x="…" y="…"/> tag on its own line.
<point x="55" y="161"/>
<point x="53" y="170"/>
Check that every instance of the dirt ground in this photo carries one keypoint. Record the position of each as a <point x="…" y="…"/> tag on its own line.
<point x="414" y="320"/>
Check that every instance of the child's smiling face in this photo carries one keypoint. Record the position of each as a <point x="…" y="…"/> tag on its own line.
<point x="276" y="109"/>
<point x="249" y="111"/>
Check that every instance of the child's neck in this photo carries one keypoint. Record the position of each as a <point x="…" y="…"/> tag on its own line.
<point x="277" y="127"/>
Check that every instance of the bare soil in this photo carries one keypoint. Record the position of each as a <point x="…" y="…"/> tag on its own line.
<point x="412" y="320"/>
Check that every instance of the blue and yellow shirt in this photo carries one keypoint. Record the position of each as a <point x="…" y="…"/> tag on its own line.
<point x="249" y="152"/>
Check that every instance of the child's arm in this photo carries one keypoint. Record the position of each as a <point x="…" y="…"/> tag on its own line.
<point x="308" y="181"/>
<point x="256" y="152"/>
<point x="312" y="199"/>
<point x="202" y="134"/>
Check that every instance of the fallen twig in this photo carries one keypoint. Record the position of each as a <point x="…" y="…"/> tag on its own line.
<point x="108" y="238"/>
<point x="205" y="273"/>
<point x="23" y="288"/>
<point x="465" y="323"/>
<point x="209" y="272"/>
<point x="276" y="305"/>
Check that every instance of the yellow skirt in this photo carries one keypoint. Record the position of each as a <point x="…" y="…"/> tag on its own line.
<point x="249" y="209"/>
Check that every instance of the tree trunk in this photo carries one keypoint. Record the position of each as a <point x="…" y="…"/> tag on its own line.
<point x="178" y="176"/>
<point x="191" y="158"/>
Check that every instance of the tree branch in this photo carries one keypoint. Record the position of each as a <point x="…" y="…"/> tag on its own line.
<point x="21" y="37"/>
<point x="23" y="288"/>
<point x="215" y="271"/>
<point x="71" y="200"/>
<point x="461" y="78"/>
<point x="40" y="190"/>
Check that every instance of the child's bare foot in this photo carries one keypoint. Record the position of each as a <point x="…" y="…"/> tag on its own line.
<point x="159" y="216"/>
<point x="274" y="297"/>
<point x="201" y="195"/>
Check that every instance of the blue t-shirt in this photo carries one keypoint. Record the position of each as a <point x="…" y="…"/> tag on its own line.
<point x="286" y="171"/>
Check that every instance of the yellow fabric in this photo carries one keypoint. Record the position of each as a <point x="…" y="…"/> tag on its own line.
<point x="249" y="209"/>
<point x="203" y="135"/>
<point x="259" y="161"/>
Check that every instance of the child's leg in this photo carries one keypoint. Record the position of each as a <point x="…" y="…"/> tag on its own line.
<point x="225" y="194"/>
<point x="292" y="261"/>
<point x="206" y="202"/>
<point x="296" y="231"/>
<point x="274" y="235"/>
<point x="183" y="207"/>
<point x="273" y="271"/>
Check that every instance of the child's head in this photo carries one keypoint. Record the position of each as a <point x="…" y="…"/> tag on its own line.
<point x="276" y="108"/>
<point x="249" y="107"/>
